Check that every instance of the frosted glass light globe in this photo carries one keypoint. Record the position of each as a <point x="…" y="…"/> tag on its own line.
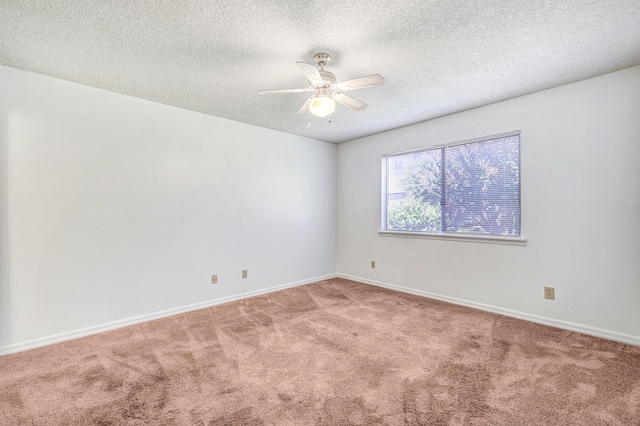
<point x="322" y="105"/>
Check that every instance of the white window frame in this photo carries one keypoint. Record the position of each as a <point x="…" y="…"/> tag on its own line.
<point x="476" y="238"/>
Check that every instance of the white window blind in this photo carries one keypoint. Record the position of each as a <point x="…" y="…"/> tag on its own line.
<point x="470" y="187"/>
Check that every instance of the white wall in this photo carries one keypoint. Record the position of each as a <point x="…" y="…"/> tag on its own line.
<point x="580" y="211"/>
<point x="115" y="209"/>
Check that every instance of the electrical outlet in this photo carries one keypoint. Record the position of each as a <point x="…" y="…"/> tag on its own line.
<point x="549" y="293"/>
<point x="244" y="273"/>
<point x="214" y="279"/>
<point x="373" y="264"/>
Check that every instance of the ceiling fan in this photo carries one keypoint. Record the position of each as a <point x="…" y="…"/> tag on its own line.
<point x="326" y="90"/>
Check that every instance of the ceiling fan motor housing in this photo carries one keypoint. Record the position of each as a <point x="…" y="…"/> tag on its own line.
<point x="327" y="76"/>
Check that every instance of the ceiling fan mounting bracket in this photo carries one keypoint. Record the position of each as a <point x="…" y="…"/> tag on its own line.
<point x="321" y="59"/>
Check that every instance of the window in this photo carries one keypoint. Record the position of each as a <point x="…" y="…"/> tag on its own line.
<point x="465" y="188"/>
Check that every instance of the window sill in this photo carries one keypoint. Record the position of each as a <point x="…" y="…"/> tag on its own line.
<point x="490" y="239"/>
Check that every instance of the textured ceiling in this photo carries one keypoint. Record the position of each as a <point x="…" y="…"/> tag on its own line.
<point x="437" y="56"/>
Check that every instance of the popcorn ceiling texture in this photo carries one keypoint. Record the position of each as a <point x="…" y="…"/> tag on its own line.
<point x="438" y="57"/>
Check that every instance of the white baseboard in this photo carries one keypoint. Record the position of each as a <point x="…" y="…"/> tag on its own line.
<point x="593" y="331"/>
<point x="74" y="334"/>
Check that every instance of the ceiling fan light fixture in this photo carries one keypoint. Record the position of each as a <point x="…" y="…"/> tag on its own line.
<point x="327" y="90"/>
<point x="322" y="105"/>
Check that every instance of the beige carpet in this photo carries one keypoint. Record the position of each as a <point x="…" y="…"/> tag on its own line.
<point x="329" y="353"/>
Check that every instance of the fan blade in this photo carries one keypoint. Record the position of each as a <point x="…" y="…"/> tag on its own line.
<point x="312" y="74"/>
<point x="361" y="82"/>
<point x="304" y="108"/>
<point x="348" y="101"/>
<point x="274" y="92"/>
